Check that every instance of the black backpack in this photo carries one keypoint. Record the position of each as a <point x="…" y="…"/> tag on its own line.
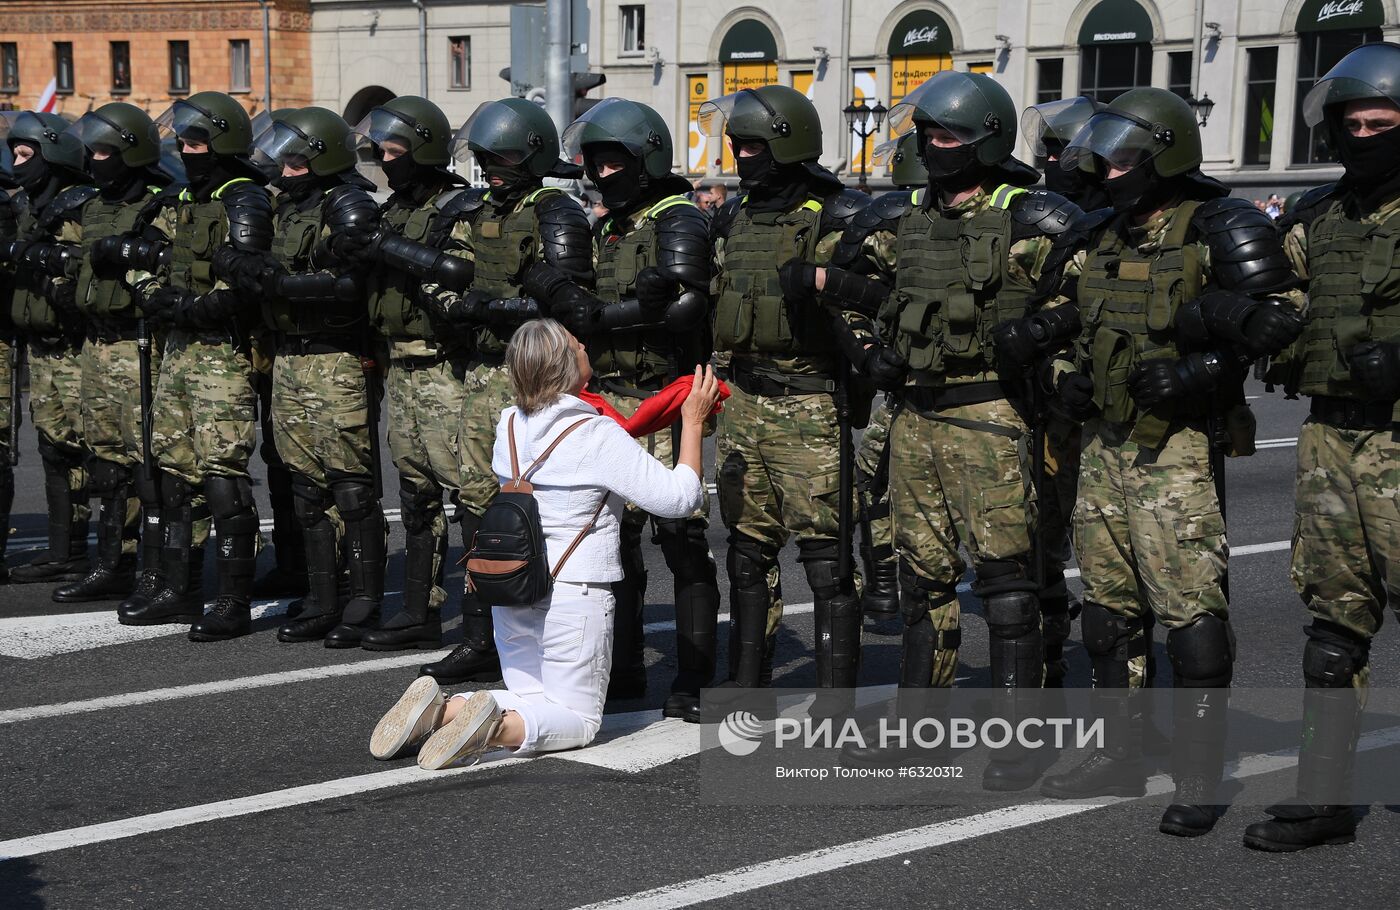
<point x="508" y="563"/>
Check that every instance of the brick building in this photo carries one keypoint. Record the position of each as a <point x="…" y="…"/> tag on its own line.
<point x="149" y="52"/>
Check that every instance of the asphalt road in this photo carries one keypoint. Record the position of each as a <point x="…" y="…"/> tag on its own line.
<point x="143" y="770"/>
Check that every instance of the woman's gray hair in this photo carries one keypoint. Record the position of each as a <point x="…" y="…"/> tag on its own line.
<point x="543" y="364"/>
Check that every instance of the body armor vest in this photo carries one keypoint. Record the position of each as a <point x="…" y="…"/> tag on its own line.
<point x="1353" y="296"/>
<point x="298" y="231"/>
<point x="200" y="229"/>
<point x="393" y="295"/>
<point x="639" y="357"/>
<point x="30" y="310"/>
<point x="504" y="247"/>
<point x="109" y="298"/>
<point x="952" y="288"/>
<point x="1128" y="306"/>
<point x="751" y="316"/>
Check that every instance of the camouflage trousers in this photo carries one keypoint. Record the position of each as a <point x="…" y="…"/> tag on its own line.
<point x="488" y="392"/>
<point x="111" y="407"/>
<point x="7" y="413"/>
<point x="1055" y="502"/>
<point x="960" y="478"/>
<point x="425" y="419"/>
<point x="320" y="415"/>
<point x="205" y="422"/>
<point x="1346" y="540"/>
<point x="1148" y="531"/>
<point x="55" y="404"/>
<point x="876" y="501"/>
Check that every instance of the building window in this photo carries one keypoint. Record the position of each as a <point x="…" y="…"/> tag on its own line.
<point x="63" y="67"/>
<point x="1179" y="74"/>
<point x="981" y="66"/>
<point x="461" y="62"/>
<point x="1318" y="52"/>
<point x="1108" y="70"/>
<point x="9" y="67"/>
<point x="1049" y="80"/>
<point x="1261" y="72"/>
<point x="121" y="67"/>
<point x="179" y="67"/>
<point x="634" y="29"/>
<point x="240" y="66"/>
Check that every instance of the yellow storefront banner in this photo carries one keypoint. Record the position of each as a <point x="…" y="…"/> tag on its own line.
<point x="697" y="93"/>
<point x="737" y="77"/>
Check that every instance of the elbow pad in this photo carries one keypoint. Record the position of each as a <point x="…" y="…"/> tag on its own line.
<point x="428" y="264"/>
<point x="854" y="292"/>
<point x="316" y="287"/>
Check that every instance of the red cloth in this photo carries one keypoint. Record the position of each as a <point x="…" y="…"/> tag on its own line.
<point x="655" y="413"/>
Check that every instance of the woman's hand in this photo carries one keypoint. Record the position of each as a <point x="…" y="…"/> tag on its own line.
<point x="704" y="395"/>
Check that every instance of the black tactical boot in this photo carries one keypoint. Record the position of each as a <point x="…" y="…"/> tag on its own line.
<point x="288" y="575"/>
<point x="65" y="560"/>
<point x="236" y="522"/>
<point x="919" y="651"/>
<point x="1202" y="656"/>
<point x="629" y="669"/>
<point x="152" y="537"/>
<point x="1117" y="768"/>
<point x="114" y="576"/>
<point x="417" y="625"/>
<point x="1018" y="665"/>
<point x="475" y="659"/>
<point x="696" y="593"/>
<point x="179" y="598"/>
<point x="321" y="609"/>
<point x="1057" y="612"/>
<point x="749" y="600"/>
<point x="879" y="595"/>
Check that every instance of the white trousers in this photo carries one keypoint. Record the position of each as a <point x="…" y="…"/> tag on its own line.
<point x="555" y="659"/>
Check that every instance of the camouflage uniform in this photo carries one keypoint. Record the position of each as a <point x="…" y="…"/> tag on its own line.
<point x="877" y="525"/>
<point x="8" y="228"/>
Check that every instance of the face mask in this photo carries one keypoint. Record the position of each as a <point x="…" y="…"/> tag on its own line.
<point x="33" y="174"/>
<point x="1369" y="159"/>
<point x="1070" y="184"/>
<point x="400" y="172"/>
<point x="301" y="186"/>
<point x="110" y="173"/>
<point x="1132" y="190"/>
<point x="755" y="169"/>
<point x="199" y="168"/>
<point x="953" y="168"/>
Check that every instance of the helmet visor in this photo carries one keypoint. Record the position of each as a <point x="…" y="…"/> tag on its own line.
<point x="1340" y="89"/>
<point x="284" y="141"/>
<point x="381" y="127"/>
<point x="950" y="101"/>
<point x="499" y="130"/>
<point x="1113" y="140"/>
<point x="100" y="134"/>
<point x="887" y="154"/>
<point x="1056" y="122"/>
<point x="610" y="120"/>
<point x="184" y="120"/>
<point x="16" y="126"/>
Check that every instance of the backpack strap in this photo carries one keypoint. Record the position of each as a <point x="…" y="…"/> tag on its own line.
<point x="581" y="535"/>
<point x="534" y="465"/>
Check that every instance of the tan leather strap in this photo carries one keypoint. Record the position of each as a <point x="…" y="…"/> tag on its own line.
<point x="515" y="476"/>
<point x="581" y="535"/>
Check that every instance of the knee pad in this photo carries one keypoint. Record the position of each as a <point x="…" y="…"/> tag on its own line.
<point x="354" y="497"/>
<point x="1107" y="634"/>
<point x="107" y="476"/>
<point x="820" y="560"/>
<point x="1333" y="656"/>
<point x="1000" y="576"/>
<point x="748" y="563"/>
<point x="919" y="595"/>
<point x="147" y="488"/>
<point x="175" y="492"/>
<point x="1012" y="615"/>
<point x="1203" y="653"/>
<point x="231" y="504"/>
<point x="418" y="509"/>
<point x="308" y="501"/>
<point x="687" y="551"/>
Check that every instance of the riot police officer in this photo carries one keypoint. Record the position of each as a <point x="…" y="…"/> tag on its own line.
<point x="49" y="165"/>
<point x="9" y="224"/>
<point x="779" y="441"/>
<point x="1343" y="238"/>
<point x="516" y="223"/>
<point x="124" y="152"/>
<point x="963" y="259"/>
<point x="1180" y="288"/>
<point x="312" y="294"/>
<point x="204" y="430"/>
<point x="649" y="324"/>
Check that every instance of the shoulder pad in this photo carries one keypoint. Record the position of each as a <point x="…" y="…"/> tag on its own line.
<point x="881" y="215"/>
<point x="1044" y="213"/>
<point x="891" y="206"/>
<point x="465" y="204"/>
<point x="452" y="206"/>
<point x="683" y="245"/>
<point x="566" y="239"/>
<point x="348" y="206"/>
<point x="249" y="211"/>
<point x="840" y="208"/>
<point x="1246" y="247"/>
<point x="722" y="219"/>
<point x="1310" y="205"/>
<point x="64" y="207"/>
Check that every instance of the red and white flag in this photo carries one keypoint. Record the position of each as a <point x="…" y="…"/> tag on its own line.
<point x="49" y="99"/>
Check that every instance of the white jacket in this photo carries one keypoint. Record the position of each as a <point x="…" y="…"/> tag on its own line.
<point x="597" y="459"/>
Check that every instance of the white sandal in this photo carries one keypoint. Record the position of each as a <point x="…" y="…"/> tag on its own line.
<point x="466" y="736"/>
<point x="410" y="721"/>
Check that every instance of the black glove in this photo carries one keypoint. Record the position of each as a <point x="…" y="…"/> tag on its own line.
<point x="656" y="290"/>
<point x="885" y="367"/>
<point x="1160" y="380"/>
<point x="1076" y="394"/>
<point x="565" y="301"/>
<point x="1271" y="327"/>
<point x="161" y="303"/>
<point x="1015" y="345"/>
<point x="205" y="311"/>
<point x="1376" y="365"/>
<point x="244" y="270"/>
<point x="63" y="297"/>
<point x="350" y="243"/>
<point x="798" y="279"/>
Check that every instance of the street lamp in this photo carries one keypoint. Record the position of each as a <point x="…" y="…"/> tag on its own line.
<point x="1202" y="106"/>
<point x="864" y="122"/>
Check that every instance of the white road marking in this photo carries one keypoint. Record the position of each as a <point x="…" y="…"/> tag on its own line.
<point x="898" y="843"/>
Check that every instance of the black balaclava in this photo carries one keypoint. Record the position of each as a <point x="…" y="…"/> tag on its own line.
<point x="34" y="174"/>
<point x="401" y="172"/>
<point x="517" y="181"/>
<point x="622" y="190"/>
<point x="116" y="180"/>
<point x="950" y="169"/>
<point x="1372" y="163"/>
<point x="772" y="186"/>
<point x="1140" y="190"/>
<point x="207" y="171"/>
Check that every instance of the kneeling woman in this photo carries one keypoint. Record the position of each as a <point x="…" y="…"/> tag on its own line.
<point x="555" y="654"/>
